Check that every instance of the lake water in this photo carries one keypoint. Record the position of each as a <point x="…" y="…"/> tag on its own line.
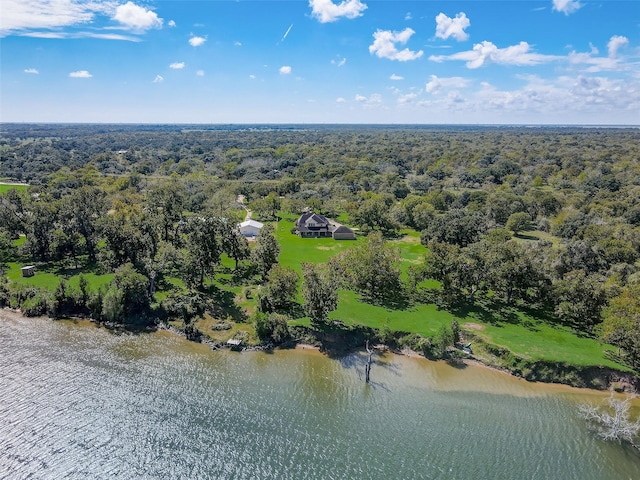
<point x="79" y="402"/>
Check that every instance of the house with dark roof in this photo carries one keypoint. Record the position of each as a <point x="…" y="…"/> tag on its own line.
<point x="314" y="225"/>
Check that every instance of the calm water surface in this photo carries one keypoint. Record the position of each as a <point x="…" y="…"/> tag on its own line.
<point x="79" y="402"/>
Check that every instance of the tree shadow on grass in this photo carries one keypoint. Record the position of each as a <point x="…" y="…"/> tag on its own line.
<point x="243" y="275"/>
<point x="391" y="301"/>
<point x="67" y="269"/>
<point x="223" y="304"/>
<point x="526" y="237"/>
<point x="494" y="313"/>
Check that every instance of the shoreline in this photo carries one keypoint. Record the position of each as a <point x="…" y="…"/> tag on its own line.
<point x="618" y="381"/>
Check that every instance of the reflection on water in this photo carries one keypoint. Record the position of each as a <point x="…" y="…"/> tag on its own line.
<point x="79" y="402"/>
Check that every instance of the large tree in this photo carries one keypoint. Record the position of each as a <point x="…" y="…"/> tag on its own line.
<point x="319" y="291"/>
<point x="456" y="227"/>
<point x="234" y="244"/>
<point x="372" y="268"/>
<point x="266" y="251"/>
<point x="621" y="325"/>
<point x="80" y="213"/>
<point x="166" y="202"/>
<point x="204" y="247"/>
<point x="280" y="290"/>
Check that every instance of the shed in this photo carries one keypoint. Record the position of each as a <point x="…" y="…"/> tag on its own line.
<point x="250" y="228"/>
<point x="28" y="271"/>
<point x="234" y="344"/>
<point x="343" y="233"/>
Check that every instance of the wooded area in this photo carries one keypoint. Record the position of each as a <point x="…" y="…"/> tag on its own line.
<point x="137" y="223"/>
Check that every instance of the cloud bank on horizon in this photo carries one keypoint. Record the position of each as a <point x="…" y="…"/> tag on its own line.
<point x="543" y="61"/>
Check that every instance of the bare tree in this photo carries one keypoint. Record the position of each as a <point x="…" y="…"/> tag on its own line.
<point x="613" y="423"/>
<point x="367" y="368"/>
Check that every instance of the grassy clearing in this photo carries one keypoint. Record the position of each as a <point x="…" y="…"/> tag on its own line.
<point x="530" y="236"/>
<point x="5" y="187"/>
<point x="48" y="276"/>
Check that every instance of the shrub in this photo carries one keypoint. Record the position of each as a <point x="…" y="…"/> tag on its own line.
<point x="272" y="327"/>
<point x="38" y="305"/>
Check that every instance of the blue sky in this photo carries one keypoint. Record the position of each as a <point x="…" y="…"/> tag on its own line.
<point x="320" y="61"/>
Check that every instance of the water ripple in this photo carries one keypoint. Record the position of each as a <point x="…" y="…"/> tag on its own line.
<point x="78" y="402"/>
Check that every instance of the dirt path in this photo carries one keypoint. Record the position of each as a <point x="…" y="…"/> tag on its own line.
<point x="240" y="199"/>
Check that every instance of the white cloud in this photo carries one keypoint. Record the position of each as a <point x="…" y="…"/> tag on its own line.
<point x="407" y="98"/>
<point x="20" y="15"/>
<point x="326" y="11"/>
<point x="374" y="100"/>
<point x="285" y="70"/>
<point x="137" y="18"/>
<point x="384" y="45"/>
<point x="566" y="6"/>
<point x="32" y="71"/>
<point x="339" y="63"/>
<point x="50" y="18"/>
<point x="196" y="41"/>
<point x="80" y="74"/>
<point x="615" y="43"/>
<point x="72" y="35"/>
<point x="396" y="77"/>
<point x="171" y="23"/>
<point x="436" y="84"/>
<point x="408" y="16"/>
<point x="200" y="73"/>
<point x="237" y="44"/>
<point x="177" y="65"/>
<point x="252" y="77"/>
<point x="158" y="79"/>
<point x="452" y="27"/>
<point x="340" y="100"/>
<point x="487" y="52"/>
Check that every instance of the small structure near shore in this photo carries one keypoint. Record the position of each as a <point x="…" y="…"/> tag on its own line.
<point x="28" y="271"/>
<point x="234" y="344"/>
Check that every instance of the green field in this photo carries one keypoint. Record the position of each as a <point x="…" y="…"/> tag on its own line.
<point x="5" y="187"/>
<point x="48" y="276"/>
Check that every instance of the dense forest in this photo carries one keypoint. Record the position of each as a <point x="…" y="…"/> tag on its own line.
<point x="541" y="219"/>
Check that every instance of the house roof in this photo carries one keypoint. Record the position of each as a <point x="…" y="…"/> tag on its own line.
<point x="343" y="229"/>
<point x="251" y="223"/>
<point x="312" y="217"/>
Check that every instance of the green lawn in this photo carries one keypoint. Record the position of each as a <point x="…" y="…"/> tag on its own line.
<point x="295" y="250"/>
<point x="49" y="277"/>
<point x="5" y="187"/>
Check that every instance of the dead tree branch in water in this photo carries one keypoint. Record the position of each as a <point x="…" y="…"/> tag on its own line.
<point x="613" y="423"/>
<point x="367" y="368"/>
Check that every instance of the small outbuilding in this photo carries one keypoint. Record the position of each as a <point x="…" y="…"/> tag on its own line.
<point x="250" y="228"/>
<point x="234" y="344"/>
<point x="28" y="271"/>
<point x="343" y="233"/>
